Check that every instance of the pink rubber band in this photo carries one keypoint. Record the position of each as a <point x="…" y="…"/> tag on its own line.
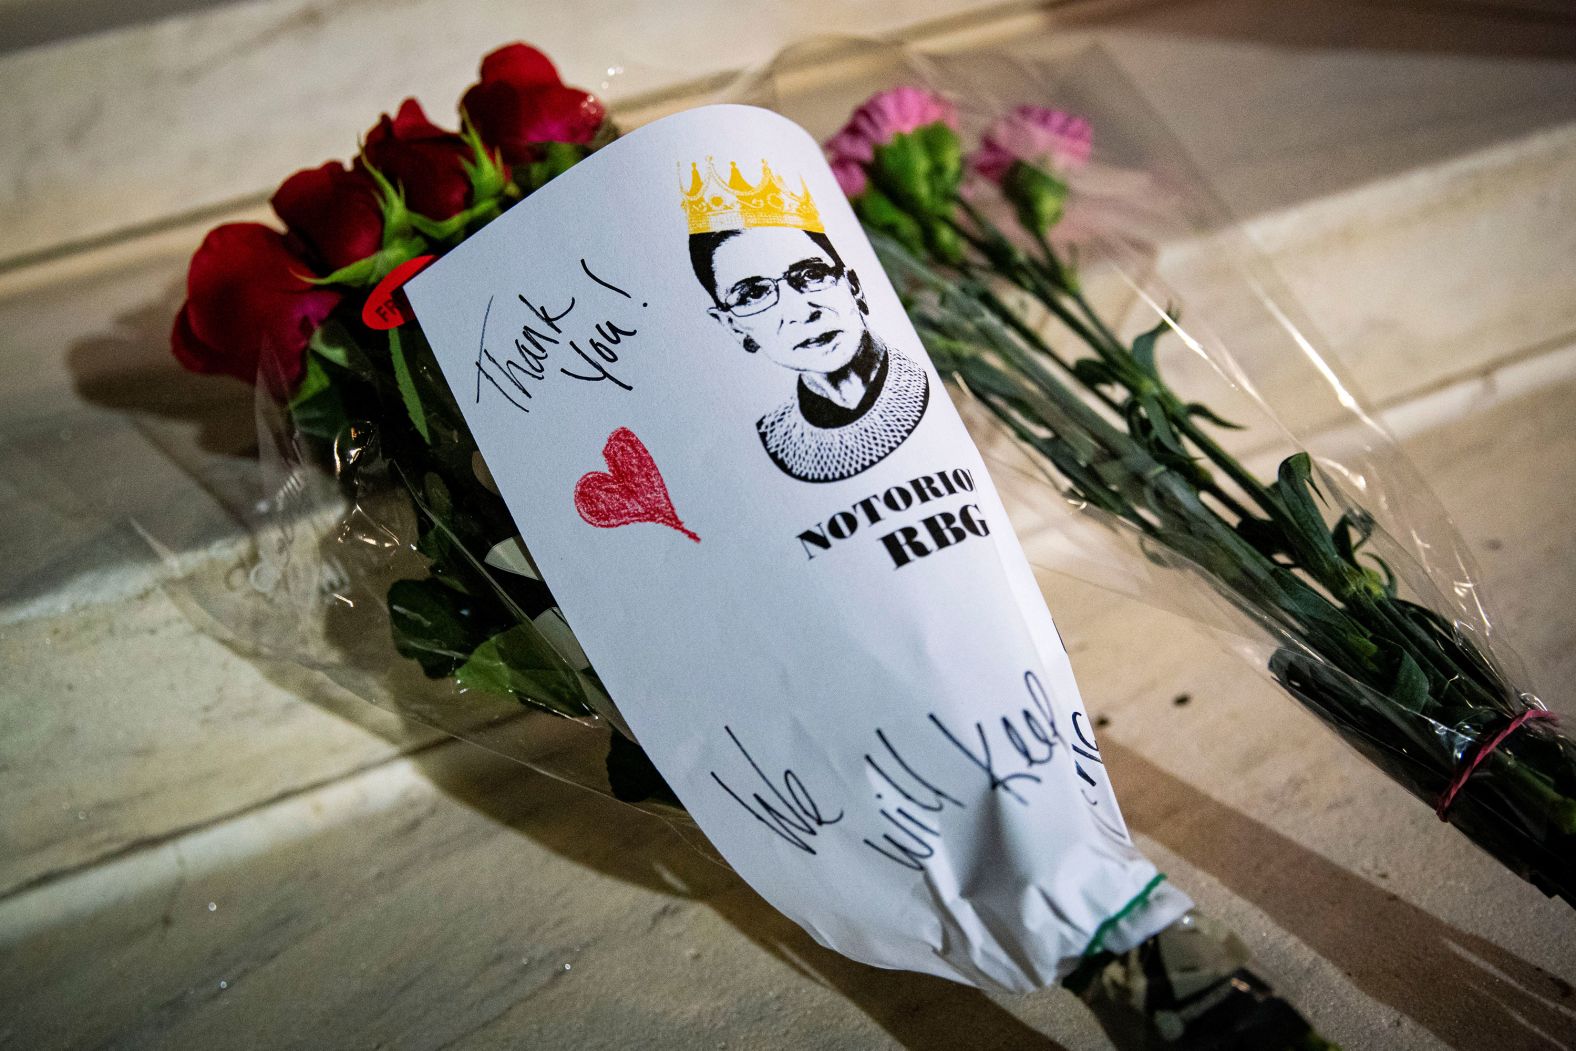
<point x="1482" y="752"/>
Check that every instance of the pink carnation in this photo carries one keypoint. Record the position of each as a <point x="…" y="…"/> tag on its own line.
<point x="885" y="115"/>
<point x="1047" y="138"/>
<point x="850" y="176"/>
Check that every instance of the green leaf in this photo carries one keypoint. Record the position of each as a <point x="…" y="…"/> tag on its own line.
<point x="391" y="196"/>
<point x="316" y="409"/>
<point x="945" y="243"/>
<point x="1144" y="349"/>
<point x="920" y="170"/>
<point x="487" y="173"/>
<point x="332" y="342"/>
<point x="438" y="626"/>
<point x="1410" y="689"/>
<point x="437" y="545"/>
<point x="439" y="503"/>
<point x="1350" y="533"/>
<point x="362" y="273"/>
<point x="407" y="386"/>
<point x="1203" y="412"/>
<point x="1389" y="582"/>
<point x="1323" y="620"/>
<point x="1292" y="485"/>
<point x="520" y="663"/>
<point x="901" y="167"/>
<point x="1085" y="482"/>
<point x="396" y="216"/>
<point x="313" y="383"/>
<point x="945" y="151"/>
<point x="439" y="230"/>
<point x="1093" y="372"/>
<point x="556" y="158"/>
<point x="1155" y="412"/>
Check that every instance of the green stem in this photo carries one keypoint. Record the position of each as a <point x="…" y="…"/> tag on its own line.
<point x="1343" y="635"/>
<point x="1104" y="342"/>
<point x="1239" y="474"/>
<point x="1057" y="274"/>
<point x="1232" y="504"/>
<point x="998" y="249"/>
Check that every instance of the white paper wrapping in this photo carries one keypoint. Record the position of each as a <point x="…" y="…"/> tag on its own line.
<point x="765" y="523"/>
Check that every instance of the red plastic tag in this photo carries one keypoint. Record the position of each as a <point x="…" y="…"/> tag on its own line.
<point x="383" y="309"/>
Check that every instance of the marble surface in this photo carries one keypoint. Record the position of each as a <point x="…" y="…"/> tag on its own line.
<point x="454" y="899"/>
<point x="112" y="130"/>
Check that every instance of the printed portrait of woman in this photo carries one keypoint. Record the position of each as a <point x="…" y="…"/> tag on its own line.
<point x="779" y="287"/>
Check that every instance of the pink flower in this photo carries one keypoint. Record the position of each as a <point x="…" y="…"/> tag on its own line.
<point x="850" y="176"/>
<point x="1047" y="138"/>
<point x="884" y="116"/>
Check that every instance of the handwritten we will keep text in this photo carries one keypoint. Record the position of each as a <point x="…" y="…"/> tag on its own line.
<point x="915" y="795"/>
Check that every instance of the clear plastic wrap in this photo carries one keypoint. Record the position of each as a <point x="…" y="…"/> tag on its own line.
<point x="364" y="535"/>
<point x="376" y="550"/>
<point x="1147" y="361"/>
<point x="335" y="525"/>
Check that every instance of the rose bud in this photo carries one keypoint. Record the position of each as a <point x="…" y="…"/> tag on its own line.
<point x="250" y="308"/>
<point x="333" y="212"/>
<point x="521" y="103"/>
<point x="421" y="158"/>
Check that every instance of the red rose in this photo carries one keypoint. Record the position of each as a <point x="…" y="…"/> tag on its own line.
<point x="428" y="162"/>
<point x="520" y="102"/>
<point x="333" y="212"/>
<point x="249" y="311"/>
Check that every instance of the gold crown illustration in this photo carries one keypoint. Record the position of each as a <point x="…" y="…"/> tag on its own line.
<point x="713" y="204"/>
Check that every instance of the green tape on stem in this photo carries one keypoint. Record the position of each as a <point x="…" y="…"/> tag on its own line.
<point x="1139" y="900"/>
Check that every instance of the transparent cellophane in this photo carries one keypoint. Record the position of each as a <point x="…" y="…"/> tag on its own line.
<point x="332" y="524"/>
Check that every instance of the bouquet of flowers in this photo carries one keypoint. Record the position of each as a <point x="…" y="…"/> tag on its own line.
<point x="383" y="522"/>
<point x="1338" y="555"/>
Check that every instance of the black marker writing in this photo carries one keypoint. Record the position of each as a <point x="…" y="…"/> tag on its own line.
<point x="1089" y="750"/>
<point x="912" y="847"/>
<point x="938" y="799"/>
<point x="912" y="801"/>
<point x="517" y="373"/>
<point x="913" y="850"/>
<point x="795" y="817"/>
<point x="1035" y="743"/>
<point x="481" y="353"/>
<point x="605" y="284"/>
<point x="604" y="357"/>
<point x="549" y="318"/>
<point x="984" y="760"/>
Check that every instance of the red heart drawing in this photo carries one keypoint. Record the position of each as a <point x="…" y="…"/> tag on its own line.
<point x="630" y="490"/>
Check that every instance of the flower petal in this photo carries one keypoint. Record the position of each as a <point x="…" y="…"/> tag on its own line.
<point x="521" y="65"/>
